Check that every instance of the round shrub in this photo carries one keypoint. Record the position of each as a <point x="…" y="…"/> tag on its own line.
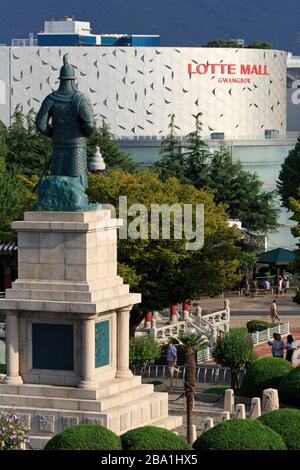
<point x="285" y="422"/>
<point x="264" y="373"/>
<point x="85" y="437"/>
<point x="289" y="388"/>
<point x="153" y="438"/>
<point x="239" y="434"/>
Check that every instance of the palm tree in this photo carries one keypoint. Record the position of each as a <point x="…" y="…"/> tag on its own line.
<point x="191" y="342"/>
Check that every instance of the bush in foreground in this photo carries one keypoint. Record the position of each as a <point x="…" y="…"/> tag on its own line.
<point x="264" y="373"/>
<point x="85" y="437"/>
<point x="258" y="325"/>
<point x="285" y="422"/>
<point x="240" y="434"/>
<point x="289" y="388"/>
<point x="153" y="438"/>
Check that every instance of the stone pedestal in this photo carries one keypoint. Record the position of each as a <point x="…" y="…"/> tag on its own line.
<point x="225" y="415"/>
<point x="270" y="401"/>
<point x="229" y="400"/>
<point x="67" y="326"/>
<point x="255" y="408"/>
<point x="240" y="411"/>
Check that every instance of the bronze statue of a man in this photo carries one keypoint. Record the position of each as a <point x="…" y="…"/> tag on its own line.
<point x="67" y="117"/>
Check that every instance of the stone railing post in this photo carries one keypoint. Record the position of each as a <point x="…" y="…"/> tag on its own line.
<point x="240" y="411"/>
<point x="148" y="319"/>
<point x="225" y="415"/>
<point x="173" y="313"/>
<point x="255" y="411"/>
<point x="270" y="400"/>
<point x="208" y="424"/>
<point x="229" y="400"/>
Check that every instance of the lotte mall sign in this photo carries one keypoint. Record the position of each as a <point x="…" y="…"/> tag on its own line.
<point x="245" y="71"/>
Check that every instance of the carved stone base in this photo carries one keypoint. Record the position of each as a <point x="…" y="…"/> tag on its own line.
<point x="119" y="405"/>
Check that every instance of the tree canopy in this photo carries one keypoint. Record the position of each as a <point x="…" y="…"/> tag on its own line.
<point x="112" y="153"/>
<point x="164" y="271"/>
<point x="289" y="177"/>
<point x="240" y="190"/>
<point x="256" y="44"/>
<point x="235" y="350"/>
<point x="171" y="162"/>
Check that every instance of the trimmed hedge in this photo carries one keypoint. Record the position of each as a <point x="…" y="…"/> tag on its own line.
<point x="258" y="325"/>
<point x="239" y="434"/>
<point x="152" y="438"/>
<point x="218" y="390"/>
<point x="263" y="373"/>
<point x="85" y="437"/>
<point x="285" y="422"/>
<point x="289" y="388"/>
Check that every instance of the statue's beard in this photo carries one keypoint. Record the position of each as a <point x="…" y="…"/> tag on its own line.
<point x="67" y="86"/>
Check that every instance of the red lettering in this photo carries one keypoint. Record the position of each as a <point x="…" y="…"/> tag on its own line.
<point x="232" y="69"/>
<point x="202" y="69"/>
<point x="245" y="69"/>
<point x="190" y="69"/>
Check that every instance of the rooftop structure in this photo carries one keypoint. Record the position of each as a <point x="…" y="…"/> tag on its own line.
<point x="69" y="32"/>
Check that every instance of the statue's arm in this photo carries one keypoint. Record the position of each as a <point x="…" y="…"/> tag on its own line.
<point x="86" y="115"/>
<point x="43" y="116"/>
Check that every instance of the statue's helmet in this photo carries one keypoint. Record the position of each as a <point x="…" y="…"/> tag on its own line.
<point x="67" y="71"/>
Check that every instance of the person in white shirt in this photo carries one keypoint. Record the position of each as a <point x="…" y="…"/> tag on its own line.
<point x="277" y="345"/>
<point x="273" y="311"/>
<point x="290" y="348"/>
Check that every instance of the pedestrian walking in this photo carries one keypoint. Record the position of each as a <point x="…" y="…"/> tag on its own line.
<point x="290" y="348"/>
<point x="273" y="312"/>
<point x="279" y="287"/>
<point x="285" y="284"/>
<point x="172" y="360"/>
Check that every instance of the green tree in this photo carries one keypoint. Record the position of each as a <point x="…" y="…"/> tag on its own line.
<point x="288" y="182"/>
<point x="191" y="343"/>
<point x="143" y="350"/>
<point x="259" y="44"/>
<point x="242" y="192"/>
<point x="15" y="197"/>
<point x="171" y="162"/>
<point x="164" y="271"/>
<point x="197" y="156"/>
<point x="112" y="153"/>
<point x="3" y="145"/>
<point x="27" y="148"/>
<point x="234" y="351"/>
<point x="247" y="261"/>
<point x="294" y="205"/>
<point x="224" y="43"/>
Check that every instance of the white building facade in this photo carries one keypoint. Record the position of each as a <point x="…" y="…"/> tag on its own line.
<point x="241" y="93"/>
